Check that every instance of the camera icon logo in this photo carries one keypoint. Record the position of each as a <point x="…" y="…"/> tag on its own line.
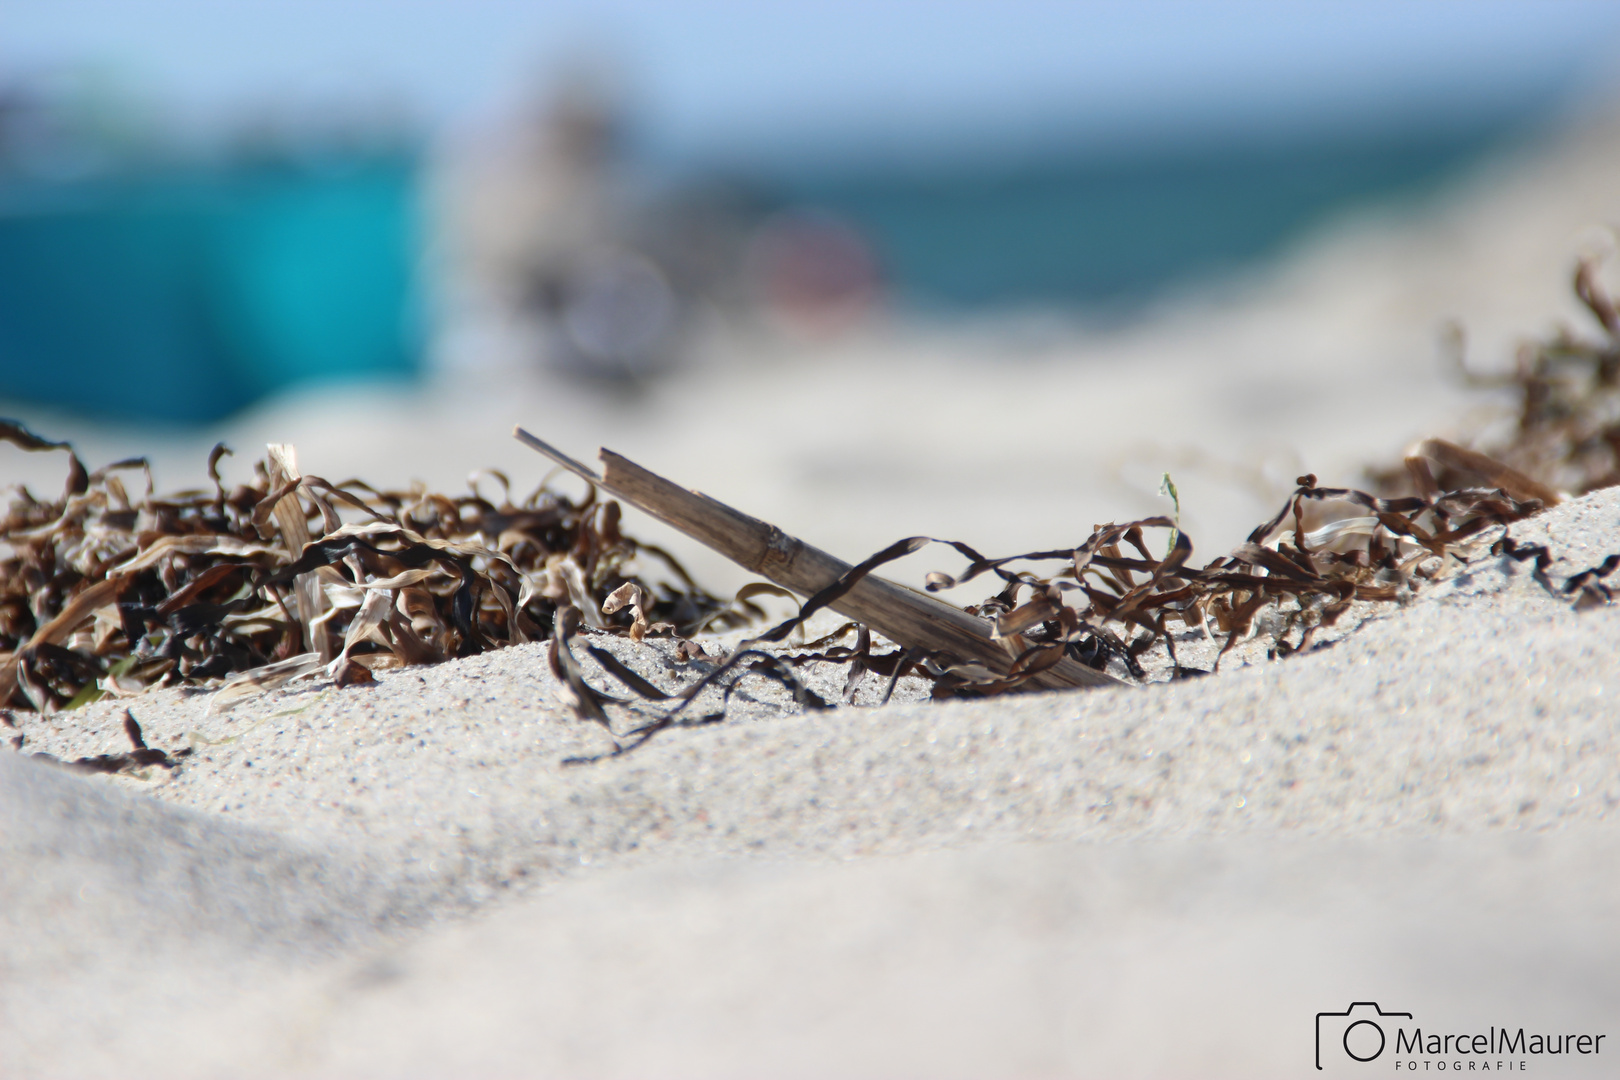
<point x="1357" y="1031"/>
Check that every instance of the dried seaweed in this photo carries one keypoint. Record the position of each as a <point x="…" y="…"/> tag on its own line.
<point x="1327" y="548"/>
<point x="778" y="669"/>
<point x="140" y="756"/>
<point x="1565" y="435"/>
<point x="1587" y="587"/>
<point x="1110" y="600"/>
<point x="104" y="594"/>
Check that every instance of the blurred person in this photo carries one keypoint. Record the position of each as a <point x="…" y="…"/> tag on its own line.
<point x="541" y="244"/>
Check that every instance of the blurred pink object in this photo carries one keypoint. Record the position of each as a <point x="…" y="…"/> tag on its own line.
<point x="815" y="271"/>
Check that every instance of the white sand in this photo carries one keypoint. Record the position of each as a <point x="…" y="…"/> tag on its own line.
<point x="1173" y="880"/>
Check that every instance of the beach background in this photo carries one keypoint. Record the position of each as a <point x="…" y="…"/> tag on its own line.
<point x="863" y="273"/>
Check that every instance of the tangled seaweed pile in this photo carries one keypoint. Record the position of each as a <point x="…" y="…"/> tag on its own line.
<point x="102" y="593"/>
<point x="1325" y="550"/>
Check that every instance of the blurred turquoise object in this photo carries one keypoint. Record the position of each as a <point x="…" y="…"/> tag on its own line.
<point x="184" y="297"/>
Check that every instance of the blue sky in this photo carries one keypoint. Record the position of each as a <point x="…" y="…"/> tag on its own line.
<point x="732" y="79"/>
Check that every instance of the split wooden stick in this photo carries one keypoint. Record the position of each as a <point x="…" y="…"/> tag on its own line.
<point x="906" y="616"/>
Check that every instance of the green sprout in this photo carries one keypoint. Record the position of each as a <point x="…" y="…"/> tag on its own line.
<point x="1167" y="486"/>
